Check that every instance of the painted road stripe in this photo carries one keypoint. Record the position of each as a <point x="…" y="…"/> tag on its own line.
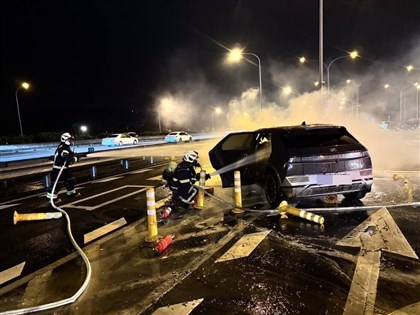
<point x="9" y="205"/>
<point x="88" y="237"/>
<point x="244" y="247"/>
<point x="179" y="309"/>
<point x="90" y="208"/>
<point x="11" y="273"/>
<point x="107" y="179"/>
<point x="141" y="171"/>
<point x="159" y="177"/>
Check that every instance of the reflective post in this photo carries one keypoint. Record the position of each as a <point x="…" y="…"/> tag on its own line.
<point x="200" y="197"/>
<point x="237" y="193"/>
<point x="151" y="216"/>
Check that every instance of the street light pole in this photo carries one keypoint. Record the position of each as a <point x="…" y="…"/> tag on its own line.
<point x="418" y="109"/>
<point x="353" y="55"/>
<point x="236" y="54"/>
<point x="160" y="127"/>
<point x="25" y="86"/>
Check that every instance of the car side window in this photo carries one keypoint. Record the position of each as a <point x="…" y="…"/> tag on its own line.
<point x="238" y="142"/>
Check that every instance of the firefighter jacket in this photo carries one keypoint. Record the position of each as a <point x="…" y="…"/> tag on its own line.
<point x="184" y="177"/>
<point x="63" y="155"/>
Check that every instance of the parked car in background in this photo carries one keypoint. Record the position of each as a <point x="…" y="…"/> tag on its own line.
<point x="296" y="162"/>
<point x="133" y="134"/>
<point x="178" y="136"/>
<point x="119" y="139"/>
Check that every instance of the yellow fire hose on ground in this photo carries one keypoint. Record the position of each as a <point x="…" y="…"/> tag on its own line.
<point x="82" y="254"/>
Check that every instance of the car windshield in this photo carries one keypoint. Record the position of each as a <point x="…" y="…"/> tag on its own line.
<point x="317" y="138"/>
<point x="173" y="134"/>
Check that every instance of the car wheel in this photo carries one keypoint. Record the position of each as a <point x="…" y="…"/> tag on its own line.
<point x="120" y="143"/>
<point x="355" y="195"/>
<point x="135" y="142"/>
<point x="190" y="139"/>
<point x="273" y="191"/>
<point x="180" y="140"/>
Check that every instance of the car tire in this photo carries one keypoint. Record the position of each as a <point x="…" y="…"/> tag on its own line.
<point x="120" y="143"/>
<point x="190" y="139"/>
<point x="135" y="142"/>
<point x="180" y="140"/>
<point x="357" y="195"/>
<point x="272" y="190"/>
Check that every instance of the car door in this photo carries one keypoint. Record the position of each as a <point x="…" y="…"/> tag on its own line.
<point x="232" y="153"/>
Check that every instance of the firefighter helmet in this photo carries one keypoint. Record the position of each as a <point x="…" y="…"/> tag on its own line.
<point x="191" y="156"/>
<point x="66" y="136"/>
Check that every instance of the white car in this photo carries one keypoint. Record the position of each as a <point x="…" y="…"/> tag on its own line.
<point x="178" y="136"/>
<point x="119" y="139"/>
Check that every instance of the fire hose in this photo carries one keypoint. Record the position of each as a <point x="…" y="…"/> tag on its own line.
<point x="73" y="298"/>
<point x="341" y="209"/>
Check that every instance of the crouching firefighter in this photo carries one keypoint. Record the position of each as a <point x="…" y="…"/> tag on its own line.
<point x="63" y="156"/>
<point x="182" y="184"/>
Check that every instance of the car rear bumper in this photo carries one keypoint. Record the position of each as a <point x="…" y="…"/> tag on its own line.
<point x="325" y="184"/>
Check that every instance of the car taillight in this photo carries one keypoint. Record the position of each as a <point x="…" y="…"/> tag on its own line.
<point x="366" y="173"/>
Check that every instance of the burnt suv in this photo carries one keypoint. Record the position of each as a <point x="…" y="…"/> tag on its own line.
<point x="294" y="162"/>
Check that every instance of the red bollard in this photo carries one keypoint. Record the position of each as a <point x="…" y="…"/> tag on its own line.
<point x="163" y="244"/>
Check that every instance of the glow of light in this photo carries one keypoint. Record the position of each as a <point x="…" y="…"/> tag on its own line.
<point x="235" y="55"/>
<point x="348" y="81"/>
<point x="287" y="90"/>
<point x="218" y="110"/>
<point x="386" y="86"/>
<point x="83" y="129"/>
<point x="25" y="85"/>
<point x="354" y="54"/>
<point x="409" y="68"/>
<point x="302" y="59"/>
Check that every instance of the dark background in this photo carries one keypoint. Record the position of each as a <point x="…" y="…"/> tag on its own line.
<point x="106" y="63"/>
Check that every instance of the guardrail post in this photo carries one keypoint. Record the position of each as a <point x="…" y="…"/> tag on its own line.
<point x="93" y="172"/>
<point x="237" y="193"/>
<point x="151" y="160"/>
<point x="125" y="164"/>
<point x="47" y="180"/>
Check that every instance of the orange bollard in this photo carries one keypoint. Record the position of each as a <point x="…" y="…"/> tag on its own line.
<point x="35" y="216"/>
<point x="151" y="216"/>
<point x="200" y="197"/>
<point x="237" y="193"/>
<point x="284" y="207"/>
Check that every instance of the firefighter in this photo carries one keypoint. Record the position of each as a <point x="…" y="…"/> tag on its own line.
<point x="63" y="155"/>
<point x="182" y="184"/>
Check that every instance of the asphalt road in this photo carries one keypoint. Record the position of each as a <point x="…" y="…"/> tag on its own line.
<point x="358" y="262"/>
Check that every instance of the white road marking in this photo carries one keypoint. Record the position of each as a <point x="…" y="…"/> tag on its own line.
<point x="11" y="273"/>
<point x="10" y="205"/>
<point x="88" y="237"/>
<point x="179" y="309"/>
<point x="244" y="246"/>
<point x="159" y="177"/>
<point x="106" y="179"/>
<point x="90" y="208"/>
<point x="376" y="234"/>
<point x="141" y="171"/>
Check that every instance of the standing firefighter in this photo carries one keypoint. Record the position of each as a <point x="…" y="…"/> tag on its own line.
<point x="63" y="155"/>
<point x="182" y="183"/>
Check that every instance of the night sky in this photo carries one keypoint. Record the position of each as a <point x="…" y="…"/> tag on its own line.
<point x="107" y="63"/>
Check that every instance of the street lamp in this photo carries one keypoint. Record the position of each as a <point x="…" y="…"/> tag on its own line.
<point x="83" y="129"/>
<point x="417" y="85"/>
<point x="236" y="54"/>
<point x="24" y="85"/>
<point x="352" y="55"/>
<point x="387" y="86"/>
<point x="217" y="111"/>
<point x="287" y="90"/>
